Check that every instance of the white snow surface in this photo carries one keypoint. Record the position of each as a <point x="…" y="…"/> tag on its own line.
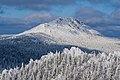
<point x="6" y="36"/>
<point x="74" y="32"/>
<point x="72" y="64"/>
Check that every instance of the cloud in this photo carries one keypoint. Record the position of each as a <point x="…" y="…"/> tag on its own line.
<point x="25" y="2"/>
<point x="30" y="19"/>
<point x="100" y="21"/>
<point x="35" y="4"/>
<point x="88" y="12"/>
<point x="39" y="18"/>
<point x="98" y="1"/>
<point x="10" y="25"/>
<point x="110" y="31"/>
<point x="1" y="10"/>
<point x="16" y="25"/>
<point x="96" y="17"/>
<point x="90" y="15"/>
<point x="36" y="7"/>
<point x="108" y="28"/>
<point x="116" y="4"/>
<point x="116" y="14"/>
<point x="6" y="20"/>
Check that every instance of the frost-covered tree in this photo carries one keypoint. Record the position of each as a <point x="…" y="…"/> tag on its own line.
<point x="72" y="64"/>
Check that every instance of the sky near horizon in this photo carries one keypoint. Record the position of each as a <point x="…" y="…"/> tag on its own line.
<point x="18" y="15"/>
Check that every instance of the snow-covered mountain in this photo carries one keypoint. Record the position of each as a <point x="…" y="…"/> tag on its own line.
<point x="63" y="25"/>
<point x="53" y="36"/>
<point x="72" y="64"/>
<point x="71" y="31"/>
<point x="6" y="36"/>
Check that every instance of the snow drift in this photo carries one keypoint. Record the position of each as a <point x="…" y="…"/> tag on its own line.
<point x="72" y="64"/>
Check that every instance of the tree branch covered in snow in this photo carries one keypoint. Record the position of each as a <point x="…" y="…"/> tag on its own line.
<point x="72" y="64"/>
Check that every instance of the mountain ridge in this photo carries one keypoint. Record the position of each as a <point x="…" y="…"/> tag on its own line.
<point x="65" y="23"/>
<point x="72" y="31"/>
<point x="40" y="40"/>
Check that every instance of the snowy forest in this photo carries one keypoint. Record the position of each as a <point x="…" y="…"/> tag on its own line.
<point x="72" y="64"/>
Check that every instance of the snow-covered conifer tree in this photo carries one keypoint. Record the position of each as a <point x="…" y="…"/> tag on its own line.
<point x="72" y="64"/>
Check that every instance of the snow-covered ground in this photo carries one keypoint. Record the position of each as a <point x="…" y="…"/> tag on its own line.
<point x="72" y="64"/>
<point x="53" y="36"/>
<point x="73" y="32"/>
<point x="5" y="36"/>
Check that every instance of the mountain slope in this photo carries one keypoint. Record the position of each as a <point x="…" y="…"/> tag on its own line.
<point x="73" y="32"/>
<point x="70" y="25"/>
<point x="53" y="36"/>
<point x="17" y="50"/>
<point x="71" y="64"/>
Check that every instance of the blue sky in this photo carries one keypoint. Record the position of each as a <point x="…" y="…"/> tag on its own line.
<point x="18" y="15"/>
